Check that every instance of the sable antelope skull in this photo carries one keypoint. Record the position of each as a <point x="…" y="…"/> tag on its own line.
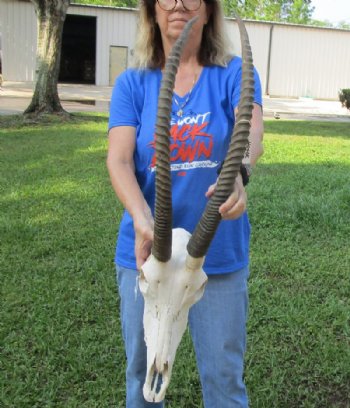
<point x="172" y="279"/>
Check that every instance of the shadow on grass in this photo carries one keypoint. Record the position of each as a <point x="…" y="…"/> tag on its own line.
<point x="20" y="121"/>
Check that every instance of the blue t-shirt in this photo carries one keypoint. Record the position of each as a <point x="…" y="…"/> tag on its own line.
<point x="199" y="142"/>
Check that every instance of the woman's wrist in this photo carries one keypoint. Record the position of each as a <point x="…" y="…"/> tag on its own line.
<point x="143" y="218"/>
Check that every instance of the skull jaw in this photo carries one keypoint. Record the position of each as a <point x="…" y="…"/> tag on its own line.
<point x="169" y="290"/>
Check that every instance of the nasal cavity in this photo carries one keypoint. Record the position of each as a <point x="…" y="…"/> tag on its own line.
<point x="157" y="381"/>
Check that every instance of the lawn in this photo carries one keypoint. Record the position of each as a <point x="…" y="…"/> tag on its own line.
<point x="60" y="339"/>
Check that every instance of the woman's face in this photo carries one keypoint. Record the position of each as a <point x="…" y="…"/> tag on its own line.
<point x="171" y="23"/>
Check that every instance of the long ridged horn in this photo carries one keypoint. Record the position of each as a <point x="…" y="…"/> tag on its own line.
<point x="161" y="248"/>
<point x="204" y="232"/>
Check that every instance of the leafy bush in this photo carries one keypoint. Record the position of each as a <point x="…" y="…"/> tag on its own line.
<point x="344" y="97"/>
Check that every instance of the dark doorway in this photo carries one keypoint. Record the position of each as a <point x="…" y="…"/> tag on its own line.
<point x="78" y="54"/>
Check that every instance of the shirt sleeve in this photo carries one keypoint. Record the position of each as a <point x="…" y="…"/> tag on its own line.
<point x="122" y="108"/>
<point x="237" y="89"/>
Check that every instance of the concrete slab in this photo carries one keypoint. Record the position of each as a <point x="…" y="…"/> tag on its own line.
<point x="305" y="109"/>
<point x="16" y="96"/>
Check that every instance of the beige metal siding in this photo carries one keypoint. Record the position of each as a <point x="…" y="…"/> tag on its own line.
<point x="259" y="35"/>
<point x="19" y="40"/>
<point x="120" y="32"/>
<point x="309" y="62"/>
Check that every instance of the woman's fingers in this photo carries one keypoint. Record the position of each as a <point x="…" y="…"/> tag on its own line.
<point x="210" y="190"/>
<point x="234" y="206"/>
<point x="143" y="241"/>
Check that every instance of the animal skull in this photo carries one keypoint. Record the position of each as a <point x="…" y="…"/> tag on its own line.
<point x="172" y="279"/>
<point x="169" y="289"/>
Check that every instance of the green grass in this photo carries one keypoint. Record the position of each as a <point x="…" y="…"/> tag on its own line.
<point x="60" y="339"/>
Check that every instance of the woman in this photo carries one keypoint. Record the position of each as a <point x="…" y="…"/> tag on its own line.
<point x="206" y="95"/>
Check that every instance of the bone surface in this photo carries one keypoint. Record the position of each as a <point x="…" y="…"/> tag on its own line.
<point x="169" y="290"/>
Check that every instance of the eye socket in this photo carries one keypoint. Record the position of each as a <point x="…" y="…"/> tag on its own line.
<point x="198" y="294"/>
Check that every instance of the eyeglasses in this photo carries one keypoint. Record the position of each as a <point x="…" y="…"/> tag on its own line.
<point x="189" y="5"/>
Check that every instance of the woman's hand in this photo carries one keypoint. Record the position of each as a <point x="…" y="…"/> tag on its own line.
<point x="236" y="204"/>
<point x="143" y="238"/>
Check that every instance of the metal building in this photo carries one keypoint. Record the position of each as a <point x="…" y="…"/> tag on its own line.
<point x="98" y="43"/>
<point x="298" y="61"/>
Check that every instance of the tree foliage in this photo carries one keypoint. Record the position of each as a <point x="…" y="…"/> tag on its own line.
<point x="344" y="97"/>
<point x="326" y="23"/>
<point x="292" y="11"/>
<point x="112" y="3"/>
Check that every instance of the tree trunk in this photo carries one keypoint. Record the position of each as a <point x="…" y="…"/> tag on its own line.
<point x="50" y="18"/>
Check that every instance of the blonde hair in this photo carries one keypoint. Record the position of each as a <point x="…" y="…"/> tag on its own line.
<point x="149" y="51"/>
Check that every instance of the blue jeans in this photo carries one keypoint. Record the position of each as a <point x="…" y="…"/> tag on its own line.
<point x="218" y="328"/>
